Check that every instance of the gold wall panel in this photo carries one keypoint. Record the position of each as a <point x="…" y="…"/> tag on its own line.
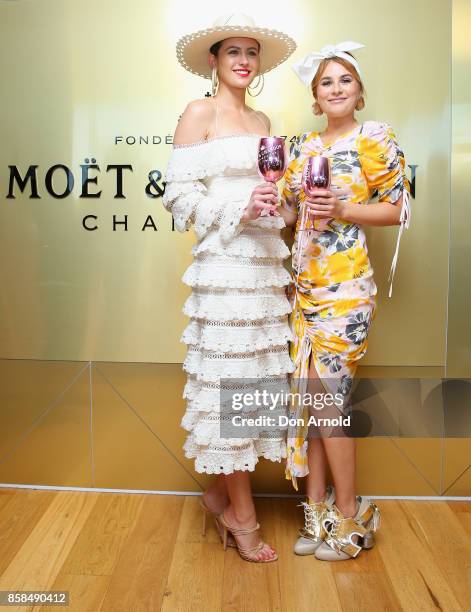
<point x="29" y="393"/>
<point x="116" y="296"/>
<point x="382" y="469"/>
<point x="128" y="453"/>
<point x="457" y="452"/>
<point x="459" y="330"/>
<point x="45" y="433"/>
<point x="116" y="425"/>
<point x="457" y="466"/>
<point x="424" y="455"/>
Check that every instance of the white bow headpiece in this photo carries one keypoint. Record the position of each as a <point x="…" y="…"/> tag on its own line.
<point x="306" y="69"/>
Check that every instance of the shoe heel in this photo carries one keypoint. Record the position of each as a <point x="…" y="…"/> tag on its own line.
<point x="224" y="537"/>
<point x="368" y="540"/>
<point x="375" y="521"/>
<point x="372" y="527"/>
<point x="203" y="529"/>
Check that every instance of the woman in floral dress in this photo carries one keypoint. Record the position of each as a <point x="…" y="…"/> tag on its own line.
<point x="335" y="292"/>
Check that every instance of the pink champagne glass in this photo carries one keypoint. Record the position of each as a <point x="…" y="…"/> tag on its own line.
<point x="316" y="175"/>
<point x="272" y="158"/>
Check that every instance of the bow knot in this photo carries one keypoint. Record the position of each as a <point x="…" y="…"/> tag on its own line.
<point x="307" y="67"/>
<point x="328" y="51"/>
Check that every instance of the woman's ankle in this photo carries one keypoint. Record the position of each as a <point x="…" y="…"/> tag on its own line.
<point x="348" y="508"/>
<point x="215" y="500"/>
<point x="317" y="495"/>
<point x="241" y="516"/>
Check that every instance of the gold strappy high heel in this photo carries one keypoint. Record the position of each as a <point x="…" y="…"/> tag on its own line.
<point x="248" y="554"/>
<point x="339" y="543"/>
<point x="220" y="529"/>
<point x="314" y="532"/>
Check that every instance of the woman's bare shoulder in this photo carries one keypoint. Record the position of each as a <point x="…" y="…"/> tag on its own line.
<point x="203" y="107"/>
<point x="194" y="122"/>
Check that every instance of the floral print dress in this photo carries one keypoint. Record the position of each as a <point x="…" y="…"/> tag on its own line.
<point x="334" y="293"/>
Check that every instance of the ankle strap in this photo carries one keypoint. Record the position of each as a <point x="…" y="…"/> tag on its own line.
<point x="236" y="530"/>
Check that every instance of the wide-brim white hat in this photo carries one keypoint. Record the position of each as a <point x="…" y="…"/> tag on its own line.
<point x="193" y="49"/>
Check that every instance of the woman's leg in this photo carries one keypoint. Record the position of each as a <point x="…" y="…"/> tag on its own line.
<point x="316" y="457"/>
<point x="312" y="534"/>
<point x="340" y="453"/>
<point x="216" y="497"/>
<point x="241" y="511"/>
<point x="317" y="462"/>
<point x="341" y="456"/>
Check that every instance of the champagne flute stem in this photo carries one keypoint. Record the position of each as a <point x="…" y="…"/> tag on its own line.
<point x="300" y="246"/>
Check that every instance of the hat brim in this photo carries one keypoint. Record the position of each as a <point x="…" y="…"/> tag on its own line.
<point x="193" y="49"/>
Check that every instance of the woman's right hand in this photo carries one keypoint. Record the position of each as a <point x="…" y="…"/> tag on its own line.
<point x="264" y="197"/>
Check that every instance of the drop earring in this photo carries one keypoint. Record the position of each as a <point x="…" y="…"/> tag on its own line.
<point x="214" y="81"/>
<point x="251" y="90"/>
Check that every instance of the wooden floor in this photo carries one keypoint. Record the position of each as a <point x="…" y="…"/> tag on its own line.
<point x="134" y="552"/>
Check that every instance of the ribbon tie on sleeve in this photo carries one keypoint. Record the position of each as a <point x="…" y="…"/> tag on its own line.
<point x="404" y="221"/>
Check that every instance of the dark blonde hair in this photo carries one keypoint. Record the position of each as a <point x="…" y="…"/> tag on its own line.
<point x="350" y="67"/>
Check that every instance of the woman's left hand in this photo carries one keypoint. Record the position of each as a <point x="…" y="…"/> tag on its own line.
<point x="325" y="204"/>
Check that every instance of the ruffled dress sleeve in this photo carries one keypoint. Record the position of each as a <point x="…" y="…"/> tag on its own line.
<point x="186" y="194"/>
<point x="383" y="164"/>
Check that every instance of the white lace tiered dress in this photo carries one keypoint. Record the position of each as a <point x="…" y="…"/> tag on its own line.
<point x="238" y="309"/>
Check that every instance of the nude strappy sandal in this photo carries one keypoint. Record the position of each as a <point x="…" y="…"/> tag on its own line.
<point x="248" y="554"/>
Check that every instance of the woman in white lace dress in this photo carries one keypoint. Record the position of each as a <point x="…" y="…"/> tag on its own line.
<point x="238" y="309"/>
